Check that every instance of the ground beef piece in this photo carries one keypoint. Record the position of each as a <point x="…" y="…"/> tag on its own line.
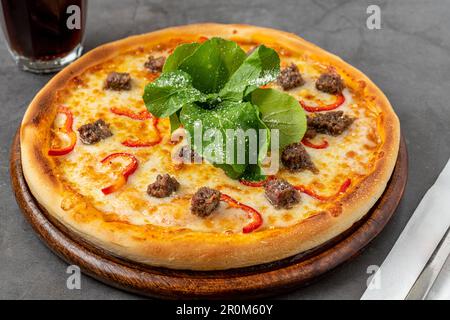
<point x="310" y="133"/>
<point x="163" y="186"/>
<point x="118" y="81"/>
<point x="205" y="201"/>
<point x="290" y="78"/>
<point x="330" y="82"/>
<point x="332" y="123"/>
<point x="155" y="64"/>
<point x="94" y="132"/>
<point x="187" y="155"/>
<point x="295" y="158"/>
<point x="281" y="194"/>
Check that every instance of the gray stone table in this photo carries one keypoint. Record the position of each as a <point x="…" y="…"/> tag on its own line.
<point x="409" y="58"/>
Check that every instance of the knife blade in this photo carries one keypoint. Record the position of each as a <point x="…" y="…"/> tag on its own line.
<point x="416" y="244"/>
<point x="420" y="289"/>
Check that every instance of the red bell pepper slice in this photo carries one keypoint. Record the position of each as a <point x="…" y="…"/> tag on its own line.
<point x="67" y="129"/>
<point x="313" y="194"/>
<point x="255" y="216"/>
<point x="340" y="99"/>
<point x="309" y="144"/>
<point x="143" y="115"/>
<point x="126" y="172"/>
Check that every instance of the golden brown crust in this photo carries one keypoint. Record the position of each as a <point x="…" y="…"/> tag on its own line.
<point x="181" y="248"/>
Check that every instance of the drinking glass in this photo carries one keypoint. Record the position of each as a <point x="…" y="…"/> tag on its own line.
<point x="43" y="35"/>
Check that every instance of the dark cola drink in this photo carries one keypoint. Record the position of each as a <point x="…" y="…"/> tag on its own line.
<point x="44" y="35"/>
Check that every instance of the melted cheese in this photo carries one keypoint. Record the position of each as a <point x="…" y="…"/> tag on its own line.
<point x="349" y="155"/>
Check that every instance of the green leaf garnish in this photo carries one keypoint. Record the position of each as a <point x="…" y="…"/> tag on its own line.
<point x="260" y="68"/>
<point x="281" y="111"/>
<point x="174" y="121"/>
<point x="179" y="55"/>
<point x="228" y="115"/>
<point x="212" y="64"/>
<point x="169" y="93"/>
<point x="216" y="84"/>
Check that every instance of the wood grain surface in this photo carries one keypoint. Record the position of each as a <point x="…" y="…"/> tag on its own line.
<point x="244" y="283"/>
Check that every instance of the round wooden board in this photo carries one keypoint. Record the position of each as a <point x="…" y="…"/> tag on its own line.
<point x="253" y="282"/>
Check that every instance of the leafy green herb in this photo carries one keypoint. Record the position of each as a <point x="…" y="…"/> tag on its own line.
<point x="212" y="64"/>
<point x="281" y="111"/>
<point x="179" y="55"/>
<point x="260" y="68"/>
<point x="170" y="92"/>
<point x="216" y="84"/>
<point x="237" y="116"/>
<point x="253" y="173"/>
<point x="174" y="121"/>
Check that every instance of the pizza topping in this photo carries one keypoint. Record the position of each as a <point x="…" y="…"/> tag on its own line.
<point x="281" y="194"/>
<point x="228" y="88"/>
<point x="66" y="129"/>
<point x="94" y="132"/>
<point x="187" y="155"/>
<point x="155" y="65"/>
<point x="126" y="172"/>
<point x="330" y="82"/>
<point x="118" y="81"/>
<point x="322" y="145"/>
<point x="340" y="99"/>
<point x="310" y="133"/>
<point x="143" y="115"/>
<point x="333" y="123"/>
<point x="271" y="185"/>
<point x="163" y="187"/>
<point x="290" y="78"/>
<point x="256" y="183"/>
<point x="205" y="201"/>
<point x="256" y="219"/>
<point x="139" y="144"/>
<point x="296" y="158"/>
<point x="313" y="194"/>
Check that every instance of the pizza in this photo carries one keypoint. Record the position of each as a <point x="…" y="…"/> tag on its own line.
<point x="105" y="151"/>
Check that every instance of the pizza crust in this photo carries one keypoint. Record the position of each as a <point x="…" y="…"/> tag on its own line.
<point x="181" y="248"/>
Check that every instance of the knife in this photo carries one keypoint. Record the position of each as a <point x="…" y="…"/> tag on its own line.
<point x="416" y="244"/>
<point x="420" y="289"/>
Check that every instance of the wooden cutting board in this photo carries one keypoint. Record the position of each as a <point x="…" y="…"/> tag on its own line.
<point x="244" y="283"/>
